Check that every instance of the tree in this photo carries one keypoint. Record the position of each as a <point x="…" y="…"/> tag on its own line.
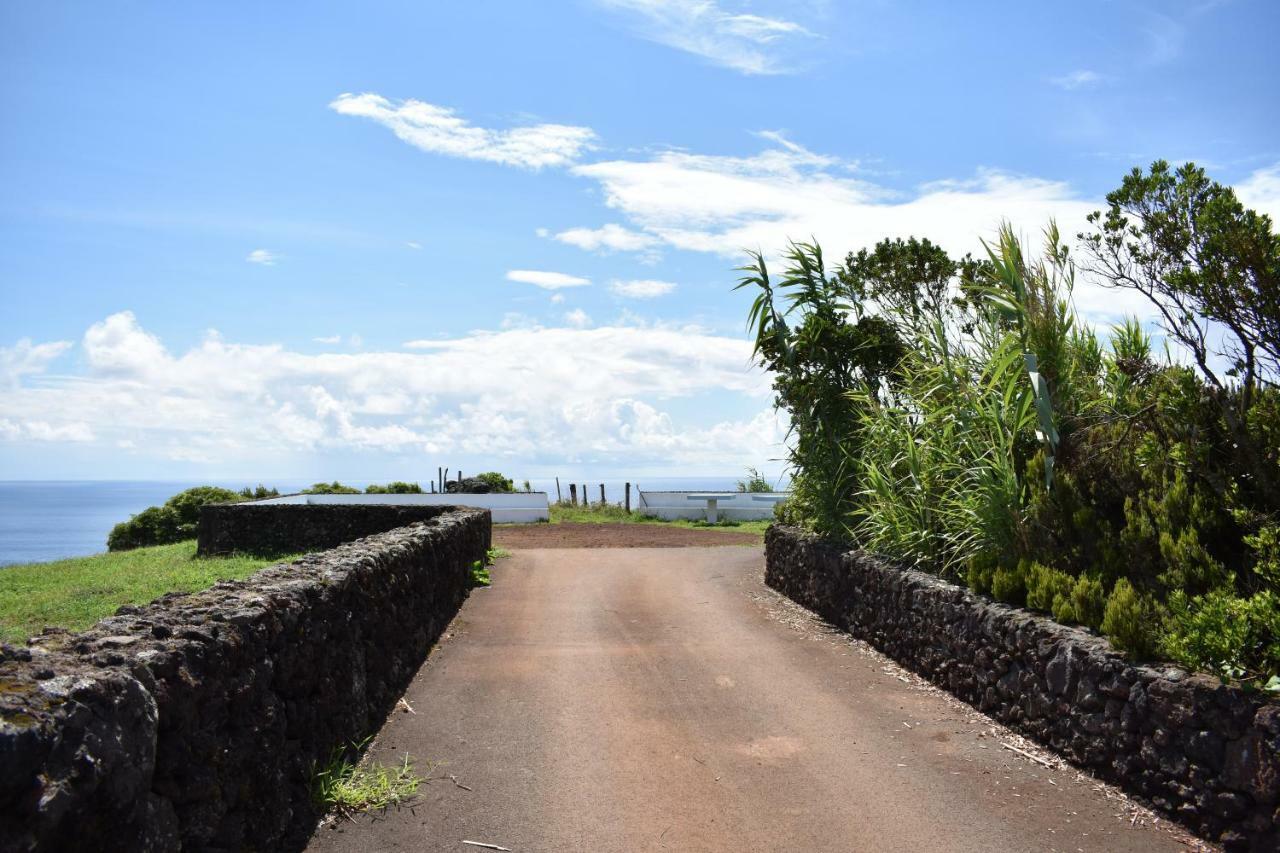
<point x="1188" y="245"/>
<point x="1211" y="269"/>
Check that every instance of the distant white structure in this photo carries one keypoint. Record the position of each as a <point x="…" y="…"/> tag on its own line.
<point x="512" y="508"/>
<point x="710" y="506"/>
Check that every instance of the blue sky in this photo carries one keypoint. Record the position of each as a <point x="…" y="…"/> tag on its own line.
<point x="297" y="240"/>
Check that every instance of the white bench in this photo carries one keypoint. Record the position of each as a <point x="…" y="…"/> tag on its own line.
<point x="712" y="499"/>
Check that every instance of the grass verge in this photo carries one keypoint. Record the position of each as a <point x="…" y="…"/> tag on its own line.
<point x="610" y="514"/>
<point x="76" y="593"/>
<point x="346" y="788"/>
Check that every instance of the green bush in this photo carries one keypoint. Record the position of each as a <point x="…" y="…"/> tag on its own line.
<point x="1222" y="633"/>
<point x="1088" y="601"/>
<point x="1046" y="585"/>
<point x="258" y="493"/>
<point x="396" y="487"/>
<point x="175" y="521"/>
<point x="1009" y="584"/>
<point x="1131" y="621"/>
<point x="981" y="570"/>
<point x="496" y="481"/>
<point x="334" y="488"/>
<point x="755" y="482"/>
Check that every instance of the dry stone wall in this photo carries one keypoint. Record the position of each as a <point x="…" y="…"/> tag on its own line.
<point x="1204" y="752"/>
<point x="193" y="723"/>
<point x="263" y="528"/>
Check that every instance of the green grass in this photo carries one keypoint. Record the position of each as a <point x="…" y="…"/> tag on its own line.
<point x="76" y="593"/>
<point x="611" y="514"/>
<point x="347" y="788"/>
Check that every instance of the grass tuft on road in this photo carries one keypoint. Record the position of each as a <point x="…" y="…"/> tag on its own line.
<point x="347" y="788"/>
<point x="76" y="593"/>
<point x="611" y="514"/>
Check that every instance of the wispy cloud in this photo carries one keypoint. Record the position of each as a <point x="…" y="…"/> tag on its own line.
<point x="642" y="288"/>
<point x="547" y="280"/>
<point x="263" y="257"/>
<point x="413" y="244"/>
<point x="577" y="318"/>
<point x="441" y="131"/>
<point x="751" y="44"/>
<point x="1079" y="79"/>
<point x="25" y="358"/>
<point x="607" y="237"/>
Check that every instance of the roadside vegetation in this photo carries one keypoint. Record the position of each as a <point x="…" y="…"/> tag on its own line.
<point x="958" y="415"/>
<point x="613" y="514"/>
<point x="76" y="593"/>
<point x="480" y="568"/>
<point x="346" y="786"/>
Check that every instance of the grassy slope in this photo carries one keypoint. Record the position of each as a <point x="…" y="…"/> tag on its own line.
<point x="610" y="514"/>
<point x="76" y="593"/>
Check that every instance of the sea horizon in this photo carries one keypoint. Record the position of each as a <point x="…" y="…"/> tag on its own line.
<point x="47" y="520"/>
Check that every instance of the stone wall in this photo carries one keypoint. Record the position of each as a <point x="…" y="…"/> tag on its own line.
<point x="193" y="723"/>
<point x="266" y="528"/>
<point x="1205" y="753"/>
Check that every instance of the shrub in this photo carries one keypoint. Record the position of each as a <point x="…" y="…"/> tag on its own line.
<point x="1131" y="621"/>
<point x="334" y="488"/>
<point x="1088" y="601"/>
<point x="175" y="521"/>
<point x="981" y="569"/>
<point x="258" y="493"/>
<point x="155" y="525"/>
<point x="1046" y="585"/>
<point x="1009" y="584"/>
<point x="755" y="482"/>
<point x="1222" y="633"/>
<point x="395" y="487"/>
<point x="496" y="481"/>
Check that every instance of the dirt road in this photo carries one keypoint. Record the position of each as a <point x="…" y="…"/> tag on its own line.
<point x="664" y="699"/>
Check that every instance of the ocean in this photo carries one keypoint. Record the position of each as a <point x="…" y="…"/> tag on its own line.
<point x="43" y="520"/>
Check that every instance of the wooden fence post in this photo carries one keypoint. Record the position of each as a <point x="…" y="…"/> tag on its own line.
<point x="558" y="499"/>
<point x="573" y="495"/>
<point x="586" y="498"/>
<point x="628" y="498"/>
<point x="602" y="500"/>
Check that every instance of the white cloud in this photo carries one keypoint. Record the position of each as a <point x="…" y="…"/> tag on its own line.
<point x="608" y="237"/>
<point x="413" y="244"/>
<point x="741" y="41"/>
<point x="642" y="288"/>
<point x="1261" y="192"/>
<point x="263" y="257"/>
<point x="577" y="318"/>
<point x="330" y="339"/>
<point x="528" y="392"/>
<point x="25" y="358"/>
<point x="439" y="130"/>
<point x="547" y="280"/>
<point x="1077" y="79"/>
<point x="721" y="204"/>
<point x="557" y="298"/>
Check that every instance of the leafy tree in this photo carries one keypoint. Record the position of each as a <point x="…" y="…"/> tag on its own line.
<point x="1211" y="268"/>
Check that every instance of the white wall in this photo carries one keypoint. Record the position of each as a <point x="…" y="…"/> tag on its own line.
<point x="518" y="507"/>
<point x="734" y="507"/>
